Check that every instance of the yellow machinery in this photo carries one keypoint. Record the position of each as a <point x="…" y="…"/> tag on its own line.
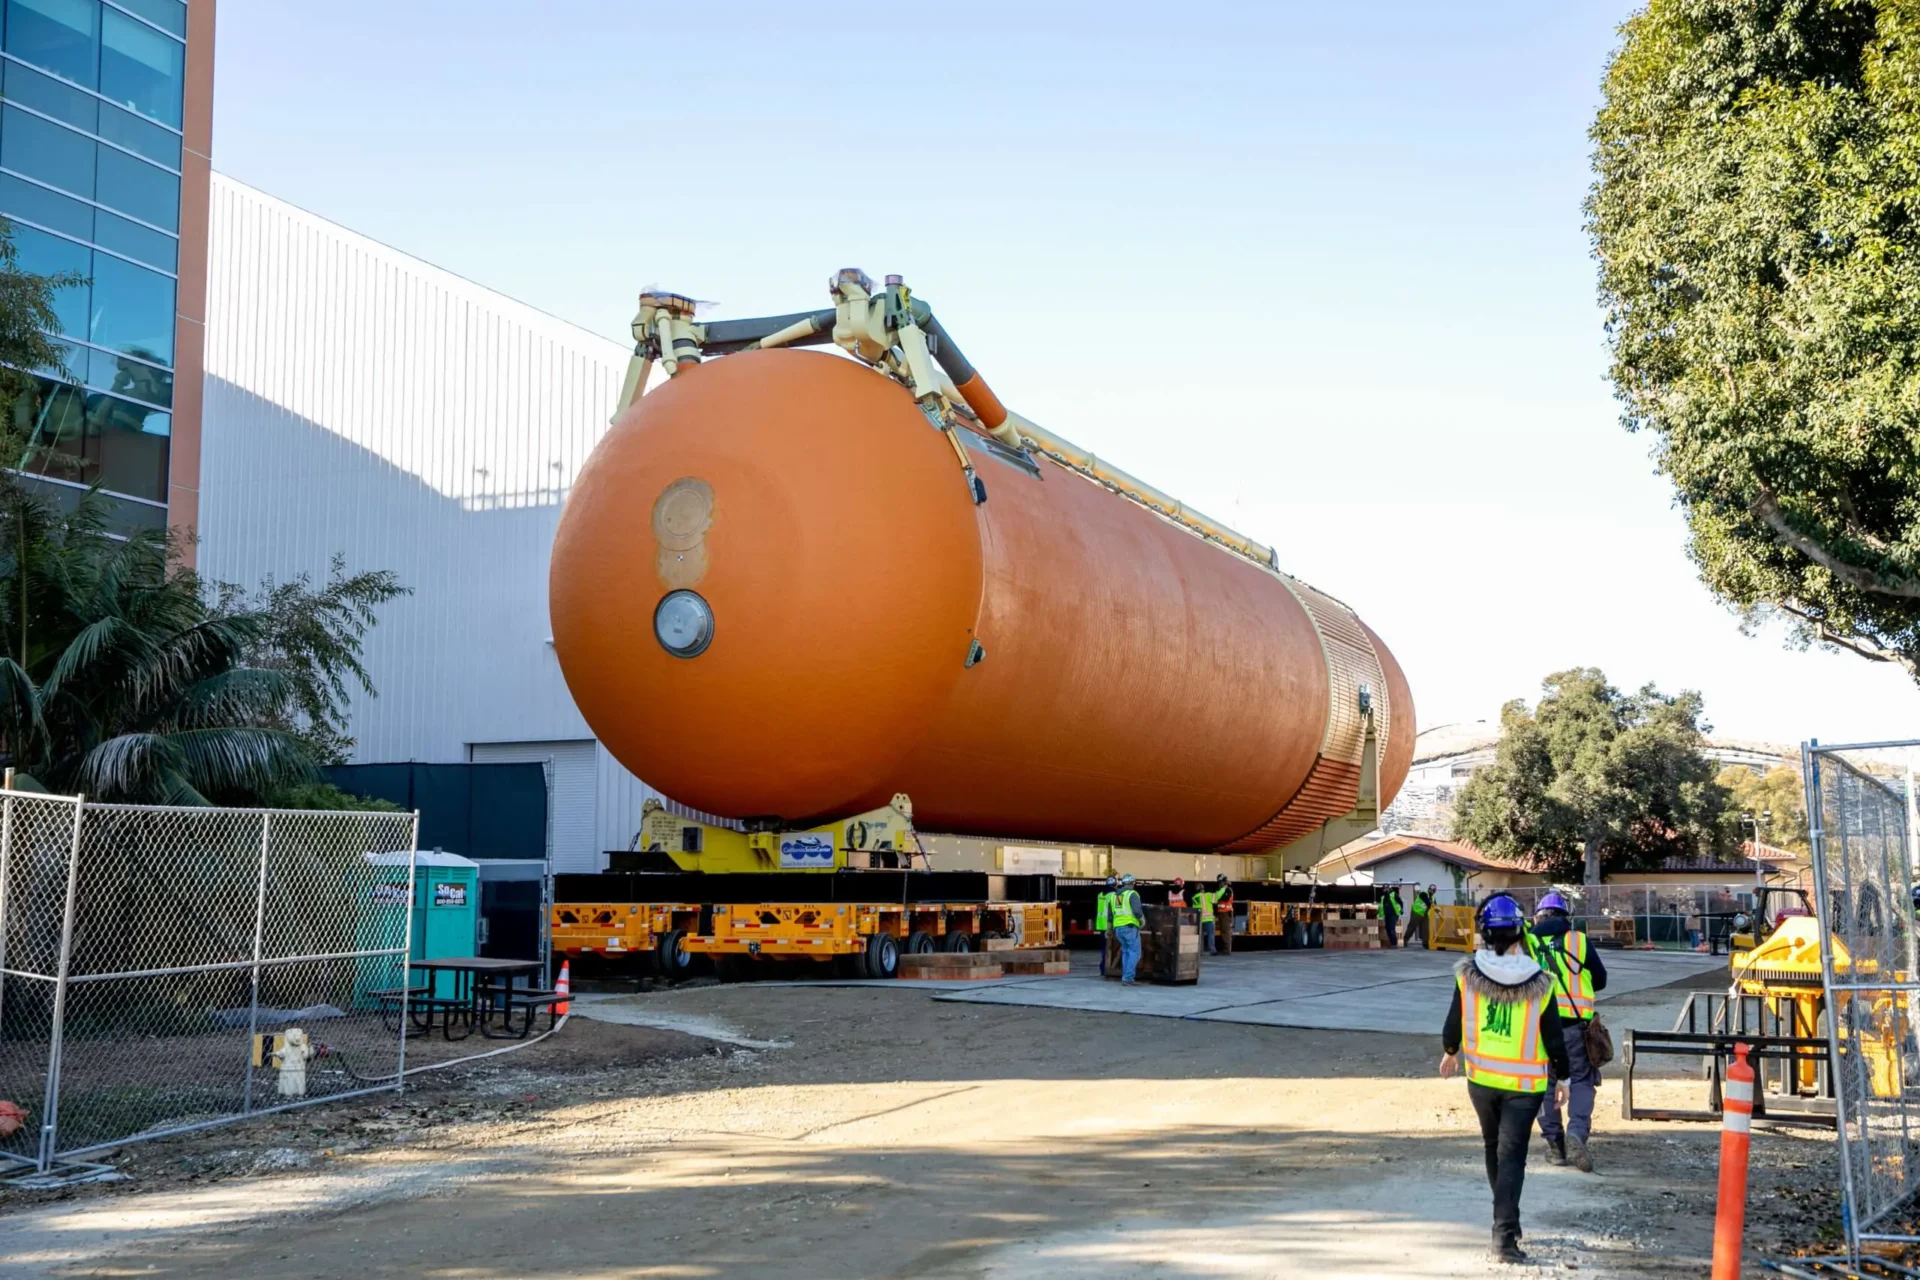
<point x="833" y="892"/>
<point x="880" y="838"/>
<point x="1784" y="970"/>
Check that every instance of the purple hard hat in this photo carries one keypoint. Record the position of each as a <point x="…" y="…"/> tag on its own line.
<point x="1552" y="902"/>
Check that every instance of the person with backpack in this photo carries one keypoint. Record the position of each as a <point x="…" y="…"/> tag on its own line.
<point x="1570" y="958"/>
<point x="1502" y="1026"/>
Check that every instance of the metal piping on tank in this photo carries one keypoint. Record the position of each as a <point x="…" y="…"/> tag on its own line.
<point x="900" y="335"/>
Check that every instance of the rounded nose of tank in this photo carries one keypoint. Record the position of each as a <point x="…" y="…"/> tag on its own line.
<point x="1396" y="753"/>
<point x="764" y="582"/>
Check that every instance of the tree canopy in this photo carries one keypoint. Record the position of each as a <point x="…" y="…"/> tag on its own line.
<point x="1756" y="219"/>
<point x="1591" y="781"/>
<point x="1779" y="792"/>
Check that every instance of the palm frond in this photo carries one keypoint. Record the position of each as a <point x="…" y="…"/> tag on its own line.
<point x="131" y="766"/>
<point x="242" y="696"/>
<point x="249" y="761"/>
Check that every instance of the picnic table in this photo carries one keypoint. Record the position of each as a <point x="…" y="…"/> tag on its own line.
<point x="483" y="989"/>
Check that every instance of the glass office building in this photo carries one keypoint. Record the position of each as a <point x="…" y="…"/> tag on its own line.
<point x="105" y="112"/>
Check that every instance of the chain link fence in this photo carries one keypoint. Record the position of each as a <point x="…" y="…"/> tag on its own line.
<point x="1857" y="811"/>
<point x="1671" y="917"/>
<point x="143" y="948"/>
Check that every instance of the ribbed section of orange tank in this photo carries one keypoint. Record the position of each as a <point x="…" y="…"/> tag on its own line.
<point x="1057" y="662"/>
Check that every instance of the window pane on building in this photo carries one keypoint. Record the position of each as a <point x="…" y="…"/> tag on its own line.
<point x="48" y="96"/>
<point x="170" y="14"/>
<point x="45" y="255"/>
<point x="125" y="376"/>
<point x="130" y="131"/>
<point x="91" y="438"/>
<point x="61" y="35"/>
<point x="52" y="153"/>
<point x="137" y="188"/>
<point x="22" y="199"/>
<point x="135" y="241"/>
<point x="124" y="515"/>
<point x="140" y="68"/>
<point x="132" y="309"/>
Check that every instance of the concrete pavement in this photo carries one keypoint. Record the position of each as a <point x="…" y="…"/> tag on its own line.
<point x="1396" y="990"/>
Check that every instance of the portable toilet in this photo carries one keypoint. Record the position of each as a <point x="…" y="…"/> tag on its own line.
<point x="446" y="905"/>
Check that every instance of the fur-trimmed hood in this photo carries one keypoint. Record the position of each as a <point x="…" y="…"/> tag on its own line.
<point x="1507" y="979"/>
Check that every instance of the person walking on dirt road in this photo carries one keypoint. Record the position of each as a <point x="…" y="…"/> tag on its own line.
<point x="1577" y="972"/>
<point x="1127" y="917"/>
<point x="1503" y="1024"/>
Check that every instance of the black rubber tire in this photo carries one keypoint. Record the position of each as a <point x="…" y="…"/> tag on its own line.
<point x="883" y="956"/>
<point x="731" y="968"/>
<point x="919" y="943"/>
<point x="958" y="941"/>
<point x="1316" y="934"/>
<point x="1297" y="934"/>
<point x="671" y="961"/>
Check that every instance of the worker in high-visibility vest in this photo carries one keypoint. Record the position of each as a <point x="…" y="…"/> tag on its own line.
<point x="1578" y="973"/>
<point x="1219" y="898"/>
<point x="1389" y="910"/>
<point x="1128" y="915"/>
<point x="1103" y="920"/>
<point x="1177" y="892"/>
<point x="1203" y="905"/>
<point x="1417" y="916"/>
<point x="1503" y="1026"/>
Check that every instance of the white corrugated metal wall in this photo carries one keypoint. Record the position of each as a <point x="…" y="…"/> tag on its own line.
<point x="361" y="402"/>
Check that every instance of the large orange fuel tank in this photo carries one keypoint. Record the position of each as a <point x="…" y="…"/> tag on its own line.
<point x="1056" y="662"/>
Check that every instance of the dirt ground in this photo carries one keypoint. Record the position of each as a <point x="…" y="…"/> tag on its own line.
<point x="890" y="1134"/>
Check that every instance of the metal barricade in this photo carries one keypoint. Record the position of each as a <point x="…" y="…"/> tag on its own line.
<point x="143" y="949"/>
<point x="1857" y="810"/>
<point x="1449" y="928"/>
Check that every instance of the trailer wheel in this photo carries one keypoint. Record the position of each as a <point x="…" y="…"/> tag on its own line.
<point x="919" y="942"/>
<point x="1297" y="933"/>
<point x="958" y="941"/>
<point x="674" y="961"/>
<point x="883" y="956"/>
<point x="731" y="968"/>
<point x="1316" y="934"/>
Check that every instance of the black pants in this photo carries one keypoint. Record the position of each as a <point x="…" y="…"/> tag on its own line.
<point x="1506" y="1121"/>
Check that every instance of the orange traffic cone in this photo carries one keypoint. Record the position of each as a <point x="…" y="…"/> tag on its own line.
<point x="562" y="986"/>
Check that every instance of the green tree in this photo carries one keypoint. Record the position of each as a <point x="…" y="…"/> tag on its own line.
<point x="314" y="635"/>
<point x="1779" y="792"/>
<point x="1592" y="781"/>
<point x="1756" y="219"/>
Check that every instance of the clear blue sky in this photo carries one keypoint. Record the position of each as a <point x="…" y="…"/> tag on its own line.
<point x="1367" y="215"/>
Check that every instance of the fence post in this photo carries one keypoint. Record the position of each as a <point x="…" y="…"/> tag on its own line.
<point x="406" y="953"/>
<point x="6" y="867"/>
<point x="259" y="930"/>
<point x="1823" y="906"/>
<point x="50" y="1108"/>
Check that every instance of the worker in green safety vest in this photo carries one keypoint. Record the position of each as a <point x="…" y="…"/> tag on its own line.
<point x="1103" y="920"/>
<point x="1127" y="915"/>
<point x="1417" y="916"/>
<point x="1502" y="1022"/>
<point x="1578" y="974"/>
<point x="1202" y="900"/>
<point x="1389" y="910"/>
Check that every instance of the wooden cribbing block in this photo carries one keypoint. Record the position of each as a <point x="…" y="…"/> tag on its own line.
<point x="1037" y="967"/>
